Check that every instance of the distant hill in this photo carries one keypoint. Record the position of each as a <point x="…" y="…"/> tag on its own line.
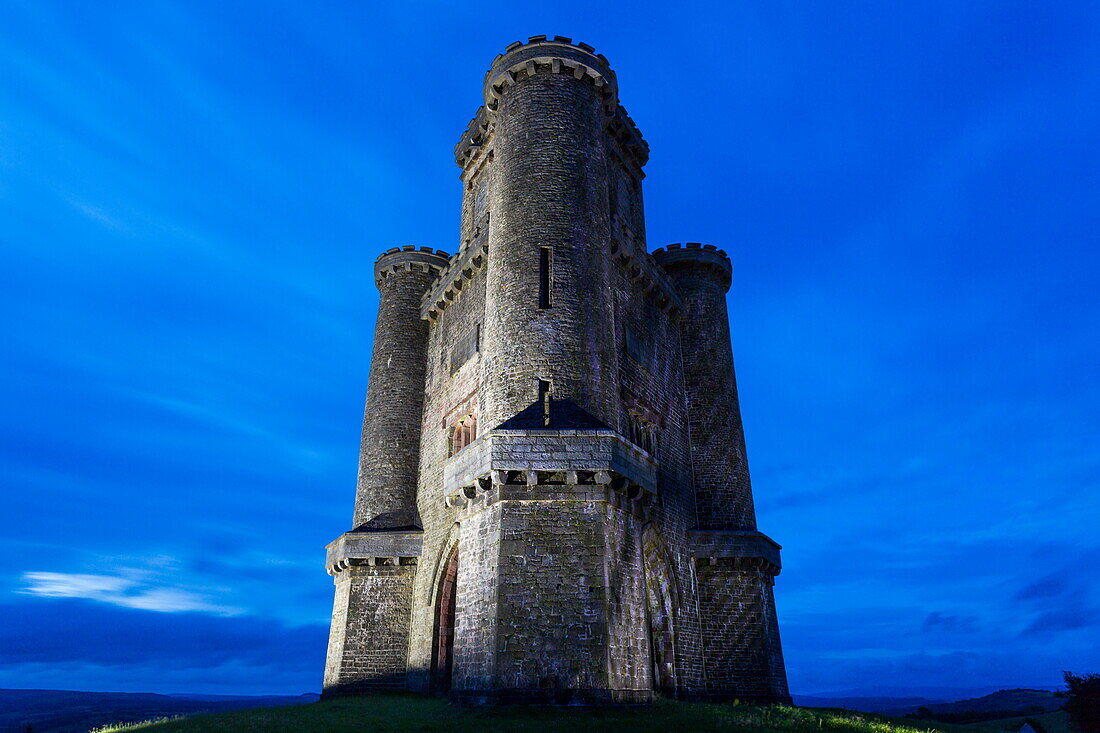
<point x="998" y="705"/>
<point x="66" y="711"/>
<point x="1042" y="700"/>
<point x="867" y="704"/>
<point x="931" y="692"/>
<point x="1009" y="702"/>
<point x="1056" y="722"/>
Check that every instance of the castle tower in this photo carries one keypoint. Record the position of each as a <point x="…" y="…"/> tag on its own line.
<point x="374" y="564"/>
<point x="553" y="501"/>
<point x="739" y="631"/>
<point x="551" y="221"/>
<point x="389" y="457"/>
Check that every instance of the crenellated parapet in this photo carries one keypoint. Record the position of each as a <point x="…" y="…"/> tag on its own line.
<point x="552" y="55"/>
<point x="647" y="277"/>
<point x="474" y="138"/>
<point x="626" y="134"/>
<point x="551" y="452"/>
<point x="557" y="55"/>
<point x="695" y="258"/>
<point x="461" y="269"/>
<point x="409" y="259"/>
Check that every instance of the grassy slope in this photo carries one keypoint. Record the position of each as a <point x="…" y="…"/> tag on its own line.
<point x="1056" y="722"/>
<point x="412" y="713"/>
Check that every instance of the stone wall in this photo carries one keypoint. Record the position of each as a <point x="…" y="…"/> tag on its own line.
<point x="476" y="630"/>
<point x="549" y="190"/>
<point x="448" y="396"/>
<point x="368" y="639"/>
<point x="719" y="462"/>
<point x="551" y="602"/>
<point x="389" y="454"/>
<point x="740" y="633"/>
<point x="598" y="560"/>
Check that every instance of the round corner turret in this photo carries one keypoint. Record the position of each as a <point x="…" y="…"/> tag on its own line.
<point x="696" y="259"/>
<point x="409" y="259"/>
<point x="558" y="55"/>
<point x="553" y="55"/>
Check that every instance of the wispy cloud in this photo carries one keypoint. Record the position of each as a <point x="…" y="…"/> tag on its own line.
<point x="131" y="649"/>
<point x="97" y="214"/>
<point x="120" y="591"/>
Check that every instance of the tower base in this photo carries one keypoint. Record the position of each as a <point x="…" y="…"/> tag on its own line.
<point x="742" y="656"/>
<point x="369" y="636"/>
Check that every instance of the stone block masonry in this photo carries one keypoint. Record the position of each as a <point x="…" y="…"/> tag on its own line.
<point x="553" y="501"/>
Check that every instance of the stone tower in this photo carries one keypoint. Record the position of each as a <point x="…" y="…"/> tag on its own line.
<point x="553" y="501"/>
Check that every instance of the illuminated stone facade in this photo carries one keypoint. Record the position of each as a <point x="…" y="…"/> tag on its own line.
<point x="553" y="501"/>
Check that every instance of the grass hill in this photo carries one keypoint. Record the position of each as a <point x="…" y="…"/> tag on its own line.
<point x="1018" y="701"/>
<point x="1039" y="701"/>
<point x="1056" y="722"/>
<point x="398" y="713"/>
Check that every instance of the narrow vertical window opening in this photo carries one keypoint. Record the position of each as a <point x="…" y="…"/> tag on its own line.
<point x="544" y="277"/>
<point x="544" y="400"/>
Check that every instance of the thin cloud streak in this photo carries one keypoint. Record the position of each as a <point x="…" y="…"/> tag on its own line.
<point x="119" y="591"/>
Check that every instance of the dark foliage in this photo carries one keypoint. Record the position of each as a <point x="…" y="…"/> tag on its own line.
<point x="1083" y="701"/>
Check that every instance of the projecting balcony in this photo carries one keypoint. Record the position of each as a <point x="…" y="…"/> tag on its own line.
<point x="563" y="457"/>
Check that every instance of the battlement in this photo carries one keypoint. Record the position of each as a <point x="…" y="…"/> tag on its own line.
<point x="557" y="55"/>
<point x="376" y="549"/>
<point x="626" y="133"/>
<point x="409" y="259"/>
<point x="648" y="277"/>
<point x="550" y="465"/>
<point x="695" y="256"/>
<point x="475" y="136"/>
<point x="469" y="260"/>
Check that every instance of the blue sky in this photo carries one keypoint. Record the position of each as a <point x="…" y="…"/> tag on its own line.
<point x="192" y="196"/>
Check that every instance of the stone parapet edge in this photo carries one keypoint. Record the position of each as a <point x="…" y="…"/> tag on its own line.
<point x="461" y="269"/>
<point x="374" y="548"/>
<point x="621" y="454"/>
<point x="409" y="259"/>
<point x="625" y="477"/>
<point x="696" y="255"/>
<point x="562" y="56"/>
<point x="737" y="547"/>
<point x="644" y="272"/>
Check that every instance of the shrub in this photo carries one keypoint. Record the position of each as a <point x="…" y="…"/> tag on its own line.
<point x="1083" y="706"/>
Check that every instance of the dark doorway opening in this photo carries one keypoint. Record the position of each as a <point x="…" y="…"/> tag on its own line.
<point x="660" y="595"/>
<point x="444" y="641"/>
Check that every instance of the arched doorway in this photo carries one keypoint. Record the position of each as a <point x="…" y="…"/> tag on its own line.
<point x="660" y="594"/>
<point x="443" y="643"/>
